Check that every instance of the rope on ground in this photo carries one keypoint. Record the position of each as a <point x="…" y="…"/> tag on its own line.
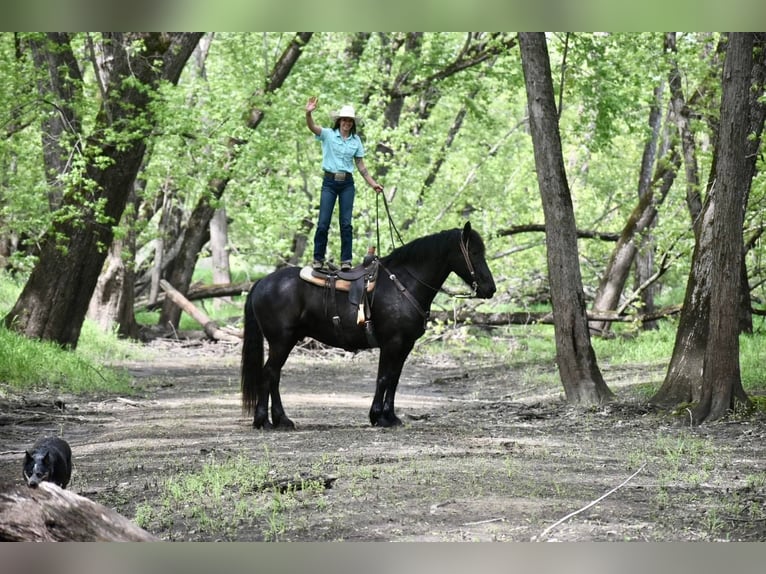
<point x="587" y="506"/>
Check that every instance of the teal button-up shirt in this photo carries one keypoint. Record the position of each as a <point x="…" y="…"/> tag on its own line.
<point x="338" y="154"/>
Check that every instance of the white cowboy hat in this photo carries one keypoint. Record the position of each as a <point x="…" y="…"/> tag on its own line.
<point x="346" y="111"/>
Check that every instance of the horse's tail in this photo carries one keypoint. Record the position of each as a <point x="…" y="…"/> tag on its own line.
<point x="251" y="369"/>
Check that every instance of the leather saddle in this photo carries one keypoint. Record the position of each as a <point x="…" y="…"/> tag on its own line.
<point x="355" y="281"/>
<point x="358" y="282"/>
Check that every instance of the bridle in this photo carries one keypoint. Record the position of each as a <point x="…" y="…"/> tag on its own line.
<point x="463" y="249"/>
<point x="471" y="270"/>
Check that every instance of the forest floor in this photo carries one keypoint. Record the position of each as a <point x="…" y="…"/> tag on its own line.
<point x="488" y="451"/>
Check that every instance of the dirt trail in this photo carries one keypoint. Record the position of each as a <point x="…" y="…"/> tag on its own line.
<point x="488" y="452"/>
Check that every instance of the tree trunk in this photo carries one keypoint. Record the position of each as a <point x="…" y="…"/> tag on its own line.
<point x="634" y="234"/>
<point x="196" y="234"/>
<point x="219" y="226"/>
<point x="113" y="298"/>
<point x="682" y="118"/>
<point x="752" y="147"/>
<point x="167" y="244"/>
<point x="580" y="375"/>
<point x="55" y="299"/>
<point x="219" y="245"/>
<point x="721" y="382"/>
<point x="644" y="267"/>
<point x="684" y="380"/>
<point x="106" y="301"/>
<point x="198" y="228"/>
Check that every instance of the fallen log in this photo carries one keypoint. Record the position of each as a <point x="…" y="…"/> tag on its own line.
<point x="544" y="317"/>
<point x="49" y="513"/>
<point x="197" y="292"/>
<point x="210" y="327"/>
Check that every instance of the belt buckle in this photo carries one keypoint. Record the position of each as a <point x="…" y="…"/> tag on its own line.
<point x="339" y="176"/>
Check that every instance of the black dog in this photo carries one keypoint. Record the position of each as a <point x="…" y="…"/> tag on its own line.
<point x="50" y="459"/>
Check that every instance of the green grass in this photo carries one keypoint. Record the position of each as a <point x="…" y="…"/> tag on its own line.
<point x="32" y="365"/>
<point x="752" y="359"/>
<point x="655" y="346"/>
<point x="206" y="498"/>
<point x="28" y="365"/>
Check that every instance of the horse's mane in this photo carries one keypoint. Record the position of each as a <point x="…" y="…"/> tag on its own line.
<point x="428" y="246"/>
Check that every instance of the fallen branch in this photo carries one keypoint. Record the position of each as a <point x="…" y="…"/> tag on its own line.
<point x="540" y="228"/>
<point x="587" y="506"/>
<point x="210" y="327"/>
<point x="545" y="317"/>
<point x="197" y="292"/>
<point x="294" y="484"/>
<point x="487" y="521"/>
<point x="49" y="513"/>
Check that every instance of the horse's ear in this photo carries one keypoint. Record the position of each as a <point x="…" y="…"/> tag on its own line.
<point x="466" y="231"/>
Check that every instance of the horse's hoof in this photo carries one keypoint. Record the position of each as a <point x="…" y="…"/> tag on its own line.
<point x="265" y="424"/>
<point x="386" y="420"/>
<point x="284" y="424"/>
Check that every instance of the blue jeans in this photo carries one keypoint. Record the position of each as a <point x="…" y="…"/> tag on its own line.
<point x="343" y="192"/>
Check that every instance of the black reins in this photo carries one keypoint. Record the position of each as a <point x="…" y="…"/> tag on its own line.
<point x="392" y="229"/>
<point x="391" y="225"/>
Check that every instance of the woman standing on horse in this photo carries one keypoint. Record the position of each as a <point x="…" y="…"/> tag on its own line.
<point x="341" y="149"/>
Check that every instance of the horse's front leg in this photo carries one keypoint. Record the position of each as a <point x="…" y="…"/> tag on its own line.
<point x="389" y="370"/>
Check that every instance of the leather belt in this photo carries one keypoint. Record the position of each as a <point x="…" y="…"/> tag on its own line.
<point x="338" y="176"/>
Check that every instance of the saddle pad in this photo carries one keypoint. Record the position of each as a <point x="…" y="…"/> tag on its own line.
<point x="321" y="279"/>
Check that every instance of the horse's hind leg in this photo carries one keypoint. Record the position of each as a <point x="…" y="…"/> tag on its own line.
<point x="261" y="416"/>
<point x="273" y="370"/>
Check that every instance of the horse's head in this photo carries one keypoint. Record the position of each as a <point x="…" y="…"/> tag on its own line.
<point x="470" y="264"/>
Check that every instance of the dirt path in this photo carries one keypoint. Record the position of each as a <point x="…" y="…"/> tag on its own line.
<point x="488" y="452"/>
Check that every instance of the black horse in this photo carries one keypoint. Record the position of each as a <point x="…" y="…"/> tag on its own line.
<point x="284" y="309"/>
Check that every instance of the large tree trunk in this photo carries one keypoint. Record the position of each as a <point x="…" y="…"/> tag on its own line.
<point x="721" y="382"/>
<point x="198" y="229"/>
<point x="683" y="383"/>
<point x="580" y="375"/>
<point x="684" y="378"/>
<point x="55" y="299"/>
<point x="752" y="147"/>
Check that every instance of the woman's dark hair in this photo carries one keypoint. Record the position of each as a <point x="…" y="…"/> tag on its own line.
<point x="337" y="125"/>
